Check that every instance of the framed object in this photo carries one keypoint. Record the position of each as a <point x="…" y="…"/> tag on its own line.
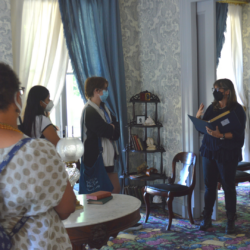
<point x="147" y="96"/>
<point x="140" y="119"/>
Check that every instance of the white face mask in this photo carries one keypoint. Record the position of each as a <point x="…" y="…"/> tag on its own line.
<point x="20" y="107"/>
<point x="49" y="106"/>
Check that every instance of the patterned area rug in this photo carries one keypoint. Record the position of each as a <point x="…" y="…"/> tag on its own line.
<point x="186" y="236"/>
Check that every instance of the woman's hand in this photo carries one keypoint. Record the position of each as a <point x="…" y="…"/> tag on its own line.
<point x="215" y="133"/>
<point x="200" y="111"/>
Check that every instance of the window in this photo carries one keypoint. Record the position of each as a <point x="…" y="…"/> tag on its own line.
<point x="74" y="104"/>
<point x="232" y="52"/>
<point x="69" y="108"/>
<point x="225" y="67"/>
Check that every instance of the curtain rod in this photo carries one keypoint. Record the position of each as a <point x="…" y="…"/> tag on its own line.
<point x="234" y="1"/>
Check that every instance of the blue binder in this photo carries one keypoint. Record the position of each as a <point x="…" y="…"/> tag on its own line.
<point x="226" y="123"/>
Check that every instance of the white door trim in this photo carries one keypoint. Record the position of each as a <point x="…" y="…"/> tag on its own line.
<point x="189" y="92"/>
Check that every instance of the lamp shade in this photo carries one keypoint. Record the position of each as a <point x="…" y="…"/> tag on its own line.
<point x="70" y="149"/>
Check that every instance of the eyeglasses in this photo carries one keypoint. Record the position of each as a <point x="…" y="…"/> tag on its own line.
<point x="213" y="89"/>
<point x="21" y="90"/>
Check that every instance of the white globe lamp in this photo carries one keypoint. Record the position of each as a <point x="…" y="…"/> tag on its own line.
<point x="71" y="150"/>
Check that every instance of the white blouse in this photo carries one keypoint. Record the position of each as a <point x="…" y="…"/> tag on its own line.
<point x="32" y="184"/>
<point x="42" y="122"/>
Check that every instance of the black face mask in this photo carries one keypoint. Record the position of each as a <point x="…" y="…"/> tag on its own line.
<point x="218" y="96"/>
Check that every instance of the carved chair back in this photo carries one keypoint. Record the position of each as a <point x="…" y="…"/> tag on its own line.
<point x="187" y="159"/>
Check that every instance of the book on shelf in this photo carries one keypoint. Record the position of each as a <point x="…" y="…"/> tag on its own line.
<point x="100" y="201"/>
<point x="133" y="142"/>
<point x="139" y="141"/>
<point x="98" y="195"/>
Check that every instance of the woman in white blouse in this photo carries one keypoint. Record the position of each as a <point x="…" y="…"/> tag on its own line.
<point x="36" y="123"/>
<point x="34" y="182"/>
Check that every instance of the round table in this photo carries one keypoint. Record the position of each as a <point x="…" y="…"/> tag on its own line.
<point x="94" y="224"/>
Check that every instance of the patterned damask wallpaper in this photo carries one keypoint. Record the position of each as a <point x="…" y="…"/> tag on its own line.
<point x="151" y="44"/>
<point x="246" y="47"/>
<point x="5" y="33"/>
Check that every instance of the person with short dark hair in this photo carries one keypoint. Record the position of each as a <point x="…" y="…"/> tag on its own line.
<point x="36" y="123"/>
<point x="221" y="153"/>
<point x="98" y="122"/>
<point x="34" y="183"/>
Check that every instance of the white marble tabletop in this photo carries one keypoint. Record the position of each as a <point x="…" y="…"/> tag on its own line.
<point x="121" y="205"/>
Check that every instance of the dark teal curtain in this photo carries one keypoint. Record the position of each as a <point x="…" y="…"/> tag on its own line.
<point x="221" y="26"/>
<point x="93" y="35"/>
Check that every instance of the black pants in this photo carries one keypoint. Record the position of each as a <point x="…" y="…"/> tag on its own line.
<point x="227" y="171"/>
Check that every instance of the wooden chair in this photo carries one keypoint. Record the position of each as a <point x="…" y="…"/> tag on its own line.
<point x="243" y="166"/>
<point x="171" y="189"/>
<point x="241" y="176"/>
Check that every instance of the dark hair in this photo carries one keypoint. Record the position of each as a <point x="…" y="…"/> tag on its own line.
<point x="33" y="108"/>
<point x="226" y="84"/>
<point x="92" y="83"/>
<point x="9" y="85"/>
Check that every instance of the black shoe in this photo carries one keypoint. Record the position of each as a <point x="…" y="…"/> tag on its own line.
<point x="206" y="221"/>
<point x="230" y="227"/>
<point x="205" y="224"/>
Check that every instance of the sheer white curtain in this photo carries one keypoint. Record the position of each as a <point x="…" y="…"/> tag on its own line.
<point x="40" y="55"/>
<point x="231" y="63"/>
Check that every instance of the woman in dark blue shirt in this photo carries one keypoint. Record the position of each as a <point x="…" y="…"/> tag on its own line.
<point x="221" y="153"/>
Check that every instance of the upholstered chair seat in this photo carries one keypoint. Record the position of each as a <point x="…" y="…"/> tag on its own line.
<point x="169" y="187"/>
<point x="241" y="176"/>
<point x="243" y="166"/>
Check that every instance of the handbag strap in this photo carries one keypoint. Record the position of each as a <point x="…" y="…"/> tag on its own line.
<point x="3" y="164"/>
<point x="12" y="152"/>
<point x="105" y="114"/>
<point x="18" y="226"/>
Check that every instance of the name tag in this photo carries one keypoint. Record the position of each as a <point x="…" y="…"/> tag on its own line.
<point x="225" y="122"/>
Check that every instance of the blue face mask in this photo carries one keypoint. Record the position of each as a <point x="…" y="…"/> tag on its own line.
<point x="104" y="96"/>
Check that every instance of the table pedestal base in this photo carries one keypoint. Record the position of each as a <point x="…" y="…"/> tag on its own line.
<point x="98" y="235"/>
